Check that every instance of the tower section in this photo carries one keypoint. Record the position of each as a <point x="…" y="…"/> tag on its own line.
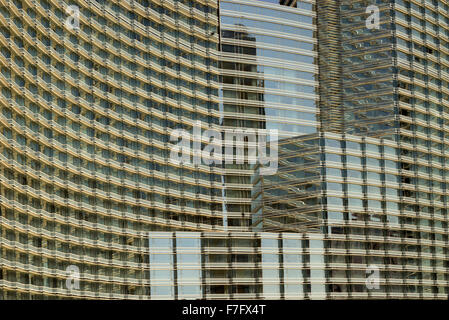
<point x="90" y="94"/>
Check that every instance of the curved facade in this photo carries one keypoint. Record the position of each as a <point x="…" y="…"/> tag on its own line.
<point x="356" y="209"/>
<point x="86" y="117"/>
<point x="269" y="76"/>
<point x="381" y="155"/>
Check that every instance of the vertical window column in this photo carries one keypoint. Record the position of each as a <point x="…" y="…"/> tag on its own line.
<point x="188" y="265"/>
<point x="162" y="267"/>
<point x="270" y="265"/>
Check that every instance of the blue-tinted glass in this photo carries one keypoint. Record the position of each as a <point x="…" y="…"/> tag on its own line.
<point x="162" y="290"/>
<point x="292" y="258"/>
<point x="188" y="258"/>
<point x="270" y="273"/>
<point x="161" y="274"/>
<point x="292" y="243"/>
<point x="189" y="274"/>
<point x="161" y="258"/>
<point x="270" y="243"/>
<point x="316" y="244"/>
<point x="188" y="243"/>
<point x="189" y="290"/>
<point x="160" y="243"/>
<point x="292" y="273"/>
<point x="270" y="258"/>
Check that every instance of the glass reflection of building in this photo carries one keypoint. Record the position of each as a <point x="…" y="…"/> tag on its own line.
<point x="85" y="125"/>
<point x="394" y="97"/>
<point x="236" y="265"/>
<point x="290" y="200"/>
<point x="383" y="98"/>
<point x="268" y="72"/>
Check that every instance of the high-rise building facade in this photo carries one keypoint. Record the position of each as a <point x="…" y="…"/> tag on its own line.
<point x="87" y="111"/>
<point x="92" y="204"/>
<point x="382" y="151"/>
<point x="237" y="265"/>
<point x="268" y="65"/>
